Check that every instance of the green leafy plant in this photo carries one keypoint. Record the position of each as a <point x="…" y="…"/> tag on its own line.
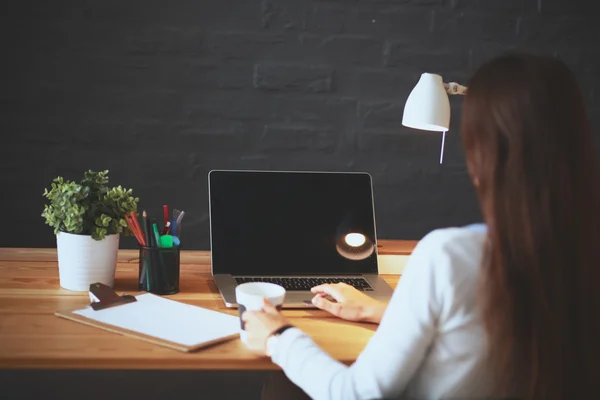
<point x="89" y="207"/>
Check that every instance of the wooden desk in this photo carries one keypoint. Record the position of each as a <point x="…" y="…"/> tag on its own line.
<point x="32" y="337"/>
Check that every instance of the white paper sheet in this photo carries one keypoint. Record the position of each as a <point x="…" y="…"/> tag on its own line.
<point x="168" y="320"/>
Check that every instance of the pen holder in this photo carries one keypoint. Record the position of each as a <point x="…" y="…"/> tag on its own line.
<point x="159" y="270"/>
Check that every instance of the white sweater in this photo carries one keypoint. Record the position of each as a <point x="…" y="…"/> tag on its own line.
<point x="430" y="343"/>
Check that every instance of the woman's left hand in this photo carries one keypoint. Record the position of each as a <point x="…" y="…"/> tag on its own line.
<point x="260" y="324"/>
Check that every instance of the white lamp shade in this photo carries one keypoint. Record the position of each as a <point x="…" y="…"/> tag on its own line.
<point x="428" y="106"/>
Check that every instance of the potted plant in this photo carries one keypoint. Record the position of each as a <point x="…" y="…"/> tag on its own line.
<point x="87" y="218"/>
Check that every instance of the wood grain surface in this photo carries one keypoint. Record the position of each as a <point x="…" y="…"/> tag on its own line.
<point x="31" y="336"/>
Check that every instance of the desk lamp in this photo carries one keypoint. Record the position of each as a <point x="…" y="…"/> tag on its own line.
<point x="428" y="108"/>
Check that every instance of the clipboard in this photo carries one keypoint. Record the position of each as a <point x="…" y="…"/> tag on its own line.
<point x="155" y="319"/>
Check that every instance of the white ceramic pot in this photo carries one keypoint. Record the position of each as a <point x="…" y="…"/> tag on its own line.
<point x="83" y="260"/>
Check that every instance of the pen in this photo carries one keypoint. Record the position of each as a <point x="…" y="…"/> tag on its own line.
<point x="167" y="228"/>
<point x="178" y="223"/>
<point x="148" y="229"/>
<point x="156" y="234"/>
<point x="174" y="227"/>
<point x="180" y="217"/>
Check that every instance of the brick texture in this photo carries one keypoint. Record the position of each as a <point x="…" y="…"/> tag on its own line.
<point x="560" y="31"/>
<point x="517" y="6"/>
<point x="359" y="50"/>
<point x="161" y="95"/>
<point x="293" y="78"/>
<point x="289" y="138"/>
<point x="573" y="7"/>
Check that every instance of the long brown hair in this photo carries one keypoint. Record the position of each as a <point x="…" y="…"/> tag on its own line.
<point x="533" y="159"/>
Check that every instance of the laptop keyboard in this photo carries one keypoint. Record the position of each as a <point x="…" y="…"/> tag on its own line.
<point x="307" y="283"/>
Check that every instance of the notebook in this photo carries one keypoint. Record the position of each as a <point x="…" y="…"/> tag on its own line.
<point x="161" y="321"/>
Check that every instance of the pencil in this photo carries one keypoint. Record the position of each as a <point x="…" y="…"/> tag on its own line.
<point x="145" y="228"/>
<point x="133" y="229"/>
<point x="136" y="223"/>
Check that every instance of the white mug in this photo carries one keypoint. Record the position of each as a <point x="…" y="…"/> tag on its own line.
<point x="251" y="295"/>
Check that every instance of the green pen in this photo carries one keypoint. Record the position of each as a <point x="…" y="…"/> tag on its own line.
<point x="156" y="234"/>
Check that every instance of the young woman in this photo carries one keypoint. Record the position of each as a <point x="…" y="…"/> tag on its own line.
<point x="511" y="311"/>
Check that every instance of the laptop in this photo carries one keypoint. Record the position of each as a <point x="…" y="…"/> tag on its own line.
<point x="293" y="228"/>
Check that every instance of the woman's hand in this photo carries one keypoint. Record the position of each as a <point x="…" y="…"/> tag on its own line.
<point x="260" y="324"/>
<point x="351" y="304"/>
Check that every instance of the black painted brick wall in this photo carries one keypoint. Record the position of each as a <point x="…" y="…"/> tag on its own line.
<point x="160" y="92"/>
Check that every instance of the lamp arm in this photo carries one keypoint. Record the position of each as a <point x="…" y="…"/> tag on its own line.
<point x="455" y="88"/>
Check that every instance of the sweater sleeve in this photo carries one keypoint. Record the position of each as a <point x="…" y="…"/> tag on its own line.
<point x="393" y="354"/>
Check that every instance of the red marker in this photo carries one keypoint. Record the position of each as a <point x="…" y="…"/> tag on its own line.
<point x="166" y="215"/>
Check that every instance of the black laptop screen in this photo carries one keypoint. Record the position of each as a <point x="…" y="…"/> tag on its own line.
<point x="271" y="223"/>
